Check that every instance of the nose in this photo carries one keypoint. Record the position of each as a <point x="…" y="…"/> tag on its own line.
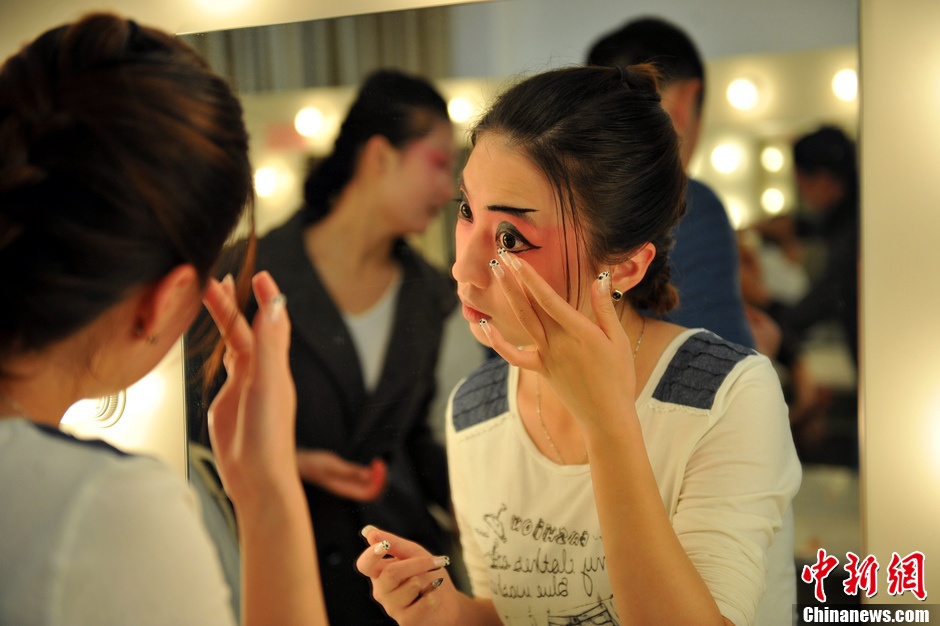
<point x="471" y="265"/>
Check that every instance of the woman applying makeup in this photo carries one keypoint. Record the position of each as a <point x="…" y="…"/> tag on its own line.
<point x="612" y="468"/>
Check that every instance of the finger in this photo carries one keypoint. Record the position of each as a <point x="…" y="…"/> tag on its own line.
<point x="519" y="302"/>
<point x="542" y="296"/>
<point x="526" y="359"/>
<point x="603" y="305"/>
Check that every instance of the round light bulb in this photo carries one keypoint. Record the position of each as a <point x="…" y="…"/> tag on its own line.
<point x="742" y="94"/>
<point x="459" y="110"/>
<point x="309" y="121"/>
<point x="845" y="85"/>
<point x="771" y="158"/>
<point x="772" y="200"/>
<point x="726" y="158"/>
<point x="265" y="182"/>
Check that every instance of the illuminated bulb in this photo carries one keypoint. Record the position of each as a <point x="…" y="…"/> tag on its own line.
<point x="726" y="158"/>
<point x="265" y="181"/>
<point x="772" y="159"/>
<point x="459" y="110"/>
<point x="845" y="85"/>
<point x="742" y="94"/>
<point x="772" y="200"/>
<point x="309" y="121"/>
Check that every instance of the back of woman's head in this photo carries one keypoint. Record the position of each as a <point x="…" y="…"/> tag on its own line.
<point x="121" y="156"/>
<point x="394" y="105"/>
<point x="604" y="141"/>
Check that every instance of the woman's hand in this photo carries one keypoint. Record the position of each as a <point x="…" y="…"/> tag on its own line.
<point x="340" y="477"/>
<point x="251" y="420"/>
<point x="251" y="423"/>
<point x="588" y="363"/>
<point x="409" y="582"/>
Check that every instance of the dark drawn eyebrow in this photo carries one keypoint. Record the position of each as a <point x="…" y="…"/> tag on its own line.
<point x="511" y="210"/>
<point x="518" y="212"/>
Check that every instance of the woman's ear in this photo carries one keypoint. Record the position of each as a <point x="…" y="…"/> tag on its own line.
<point x="627" y="274"/>
<point x="167" y="306"/>
<point x="377" y="156"/>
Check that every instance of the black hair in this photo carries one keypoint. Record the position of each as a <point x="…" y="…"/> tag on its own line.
<point x="397" y="106"/>
<point x="122" y="155"/>
<point x="602" y="138"/>
<point x="651" y="40"/>
<point x="828" y="149"/>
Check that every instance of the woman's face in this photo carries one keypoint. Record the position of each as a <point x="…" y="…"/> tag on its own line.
<point x="424" y="180"/>
<point x="507" y="202"/>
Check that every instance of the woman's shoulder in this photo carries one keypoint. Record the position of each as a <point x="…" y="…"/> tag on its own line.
<point x="700" y="364"/>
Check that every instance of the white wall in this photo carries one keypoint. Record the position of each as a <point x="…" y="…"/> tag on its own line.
<point x="900" y="298"/>
<point x="508" y="38"/>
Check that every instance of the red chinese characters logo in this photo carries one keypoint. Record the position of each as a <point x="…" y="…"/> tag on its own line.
<point x="818" y="571"/>
<point x="903" y="573"/>
<point x="907" y="574"/>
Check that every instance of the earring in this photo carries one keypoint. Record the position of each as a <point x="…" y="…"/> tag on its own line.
<point x="617" y="295"/>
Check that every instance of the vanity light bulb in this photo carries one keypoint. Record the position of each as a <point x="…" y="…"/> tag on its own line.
<point x="772" y="200"/>
<point x="845" y="85"/>
<point x="771" y="158"/>
<point x="265" y="182"/>
<point x="726" y="158"/>
<point x="309" y="121"/>
<point x="742" y="94"/>
<point x="459" y="110"/>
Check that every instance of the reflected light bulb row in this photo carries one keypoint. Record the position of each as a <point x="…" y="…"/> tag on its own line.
<point x="744" y="95"/>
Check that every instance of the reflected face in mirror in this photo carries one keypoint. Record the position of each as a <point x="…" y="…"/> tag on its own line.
<point x="507" y="202"/>
<point x="422" y="181"/>
<point x="819" y="191"/>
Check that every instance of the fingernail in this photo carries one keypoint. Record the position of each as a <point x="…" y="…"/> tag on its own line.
<point x="604" y="278"/>
<point x="368" y="528"/>
<point x="382" y="547"/>
<point x="494" y="265"/>
<point x="229" y="281"/>
<point x="441" y="561"/>
<point x="508" y="257"/>
<point x="437" y="583"/>
<point x="485" y="326"/>
<point x="276" y="307"/>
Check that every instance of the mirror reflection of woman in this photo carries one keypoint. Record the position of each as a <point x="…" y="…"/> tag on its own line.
<point x="368" y="313"/>
<point x="123" y="170"/>
<point x="610" y="468"/>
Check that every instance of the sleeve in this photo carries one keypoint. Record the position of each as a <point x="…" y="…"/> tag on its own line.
<point x="705" y="270"/>
<point x="138" y="522"/>
<point x="477" y="571"/>
<point x="737" y="487"/>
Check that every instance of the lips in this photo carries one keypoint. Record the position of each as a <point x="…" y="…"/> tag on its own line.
<point x="472" y="314"/>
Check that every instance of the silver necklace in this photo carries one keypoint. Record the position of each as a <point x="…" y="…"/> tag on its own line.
<point x="538" y="403"/>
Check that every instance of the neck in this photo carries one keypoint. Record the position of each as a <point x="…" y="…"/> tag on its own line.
<point x="41" y="396"/>
<point x="352" y="236"/>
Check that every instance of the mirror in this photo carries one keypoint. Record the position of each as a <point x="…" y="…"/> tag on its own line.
<point x="471" y="51"/>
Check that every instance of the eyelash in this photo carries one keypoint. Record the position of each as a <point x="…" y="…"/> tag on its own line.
<point x="505" y="228"/>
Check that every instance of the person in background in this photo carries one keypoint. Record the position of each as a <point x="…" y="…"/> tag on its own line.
<point x="123" y="170"/>
<point x="369" y="313"/>
<point x="827" y="181"/>
<point x="705" y="257"/>
<point x="611" y="467"/>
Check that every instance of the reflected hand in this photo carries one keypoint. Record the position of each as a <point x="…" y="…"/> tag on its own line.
<point x="409" y="582"/>
<point x="342" y="478"/>
<point x="587" y="363"/>
<point x="251" y="419"/>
